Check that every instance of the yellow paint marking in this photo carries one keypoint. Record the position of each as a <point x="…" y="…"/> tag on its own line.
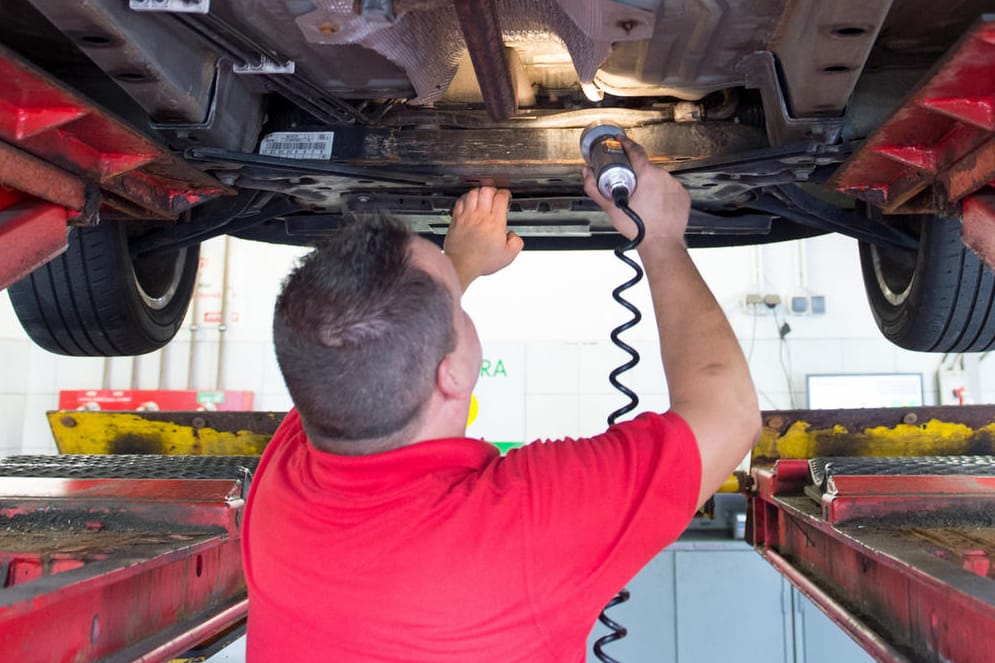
<point x="934" y="438"/>
<point x="122" y="433"/>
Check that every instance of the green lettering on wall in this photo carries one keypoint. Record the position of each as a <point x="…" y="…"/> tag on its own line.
<point x="489" y="369"/>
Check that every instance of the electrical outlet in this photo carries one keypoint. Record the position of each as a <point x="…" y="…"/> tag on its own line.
<point x="807" y="305"/>
<point x="757" y="304"/>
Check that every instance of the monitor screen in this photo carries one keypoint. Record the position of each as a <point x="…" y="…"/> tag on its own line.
<point x="842" y="390"/>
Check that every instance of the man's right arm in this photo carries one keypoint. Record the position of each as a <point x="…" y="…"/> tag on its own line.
<point x="707" y="374"/>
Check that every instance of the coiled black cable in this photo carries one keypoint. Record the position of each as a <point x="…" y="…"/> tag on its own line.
<point x="617" y="630"/>
<point x="621" y="197"/>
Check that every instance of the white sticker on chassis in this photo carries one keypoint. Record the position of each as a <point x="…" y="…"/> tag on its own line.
<point x="298" y="145"/>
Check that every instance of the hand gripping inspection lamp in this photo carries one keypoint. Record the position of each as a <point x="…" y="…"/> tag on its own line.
<point x="602" y="150"/>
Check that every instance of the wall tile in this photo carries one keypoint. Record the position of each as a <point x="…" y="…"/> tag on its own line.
<point x="146" y="371"/>
<point x="42" y="371"/>
<point x="647" y="376"/>
<point x="174" y="363"/>
<point x="551" y="416"/>
<point x="779" y="400"/>
<point x="37" y="433"/>
<point x="273" y="402"/>
<point x="552" y="368"/>
<point x="243" y="365"/>
<point x="15" y="360"/>
<point x="79" y="372"/>
<point x="595" y="408"/>
<point x="597" y="359"/>
<point x="766" y="369"/>
<point x="272" y="381"/>
<point x="205" y="365"/>
<point x="12" y="408"/>
<point x="118" y="372"/>
<point x="868" y="355"/>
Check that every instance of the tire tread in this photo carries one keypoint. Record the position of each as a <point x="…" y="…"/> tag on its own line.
<point x="85" y="302"/>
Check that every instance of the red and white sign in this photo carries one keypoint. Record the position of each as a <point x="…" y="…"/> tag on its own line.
<point x="154" y="399"/>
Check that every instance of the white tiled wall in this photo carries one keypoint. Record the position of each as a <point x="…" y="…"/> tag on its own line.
<point x="557" y="305"/>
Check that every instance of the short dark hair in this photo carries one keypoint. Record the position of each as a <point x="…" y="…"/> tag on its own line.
<point x="359" y="331"/>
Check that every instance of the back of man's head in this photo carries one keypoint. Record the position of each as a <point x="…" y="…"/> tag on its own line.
<point x="359" y="331"/>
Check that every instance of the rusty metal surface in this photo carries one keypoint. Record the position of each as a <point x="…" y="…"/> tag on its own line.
<point x="922" y="431"/>
<point x="31" y="234"/>
<point x="128" y="466"/>
<point x="98" y="541"/>
<point x="478" y="20"/>
<point x="907" y="500"/>
<point x="975" y="170"/>
<point x="898" y="550"/>
<point x="116" y="569"/>
<point x="906" y="583"/>
<point x="978" y="226"/>
<point x="50" y="121"/>
<point x="938" y="147"/>
<point x="170" y="433"/>
<point x="822" y="469"/>
<point x="35" y="177"/>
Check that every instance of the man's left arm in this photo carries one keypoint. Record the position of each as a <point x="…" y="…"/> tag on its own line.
<point x="478" y="242"/>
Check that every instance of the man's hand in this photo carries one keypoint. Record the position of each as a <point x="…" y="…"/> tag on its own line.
<point x="479" y="242"/>
<point x="660" y="200"/>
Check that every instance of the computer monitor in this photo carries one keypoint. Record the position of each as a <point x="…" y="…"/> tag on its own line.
<point x="853" y="390"/>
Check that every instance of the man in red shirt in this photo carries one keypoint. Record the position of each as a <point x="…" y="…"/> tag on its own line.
<point x="376" y="531"/>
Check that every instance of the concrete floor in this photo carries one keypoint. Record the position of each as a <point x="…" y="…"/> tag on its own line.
<point x="233" y="653"/>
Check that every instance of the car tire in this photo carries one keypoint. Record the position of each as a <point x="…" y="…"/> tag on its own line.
<point x="94" y="300"/>
<point x="936" y="299"/>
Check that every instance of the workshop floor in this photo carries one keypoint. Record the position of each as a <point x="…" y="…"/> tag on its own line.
<point x="233" y="653"/>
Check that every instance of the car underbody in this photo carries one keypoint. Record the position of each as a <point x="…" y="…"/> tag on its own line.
<point x="312" y="114"/>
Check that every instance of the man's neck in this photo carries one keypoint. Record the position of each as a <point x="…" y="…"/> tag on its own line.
<point x="428" y="427"/>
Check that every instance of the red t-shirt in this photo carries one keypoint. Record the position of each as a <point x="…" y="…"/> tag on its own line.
<point x="445" y="551"/>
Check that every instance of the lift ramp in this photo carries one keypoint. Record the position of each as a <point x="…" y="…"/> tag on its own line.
<point x="126" y="546"/>
<point x="885" y="519"/>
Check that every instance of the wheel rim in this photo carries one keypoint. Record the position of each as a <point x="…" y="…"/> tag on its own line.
<point x="894" y="271"/>
<point x="157" y="277"/>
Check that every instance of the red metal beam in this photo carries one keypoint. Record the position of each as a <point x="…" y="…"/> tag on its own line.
<point x="978" y="226"/>
<point x="117" y="569"/>
<point x="940" y="145"/>
<point x="873" y="643"/>
<point x="130" y="604"/>
<point x="876" y="498"/>
<point x="32" y="233"/>
<point x="972" y="172"/>
<point x="41" y="116"/>
<point x="34" y="177"/>
<point x="902" y="585"/>
<point x="199" y="632"/>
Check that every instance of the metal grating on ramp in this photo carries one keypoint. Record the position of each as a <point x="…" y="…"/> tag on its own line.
<point x="823" y="468"/>
<point x="128" y="466"/>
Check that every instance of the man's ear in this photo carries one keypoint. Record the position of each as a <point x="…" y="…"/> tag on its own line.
<point x="447" y="378"/>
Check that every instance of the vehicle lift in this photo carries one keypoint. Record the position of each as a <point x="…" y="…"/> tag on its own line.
<point x="126" y="545"/>
<point x="884" y="518"/>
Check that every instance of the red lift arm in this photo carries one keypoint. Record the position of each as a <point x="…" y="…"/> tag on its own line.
<point x="127" y="557"/>
<point x="65" y="160"/>
<point x="886" y="520"/>
<point x="936" y="154"/>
